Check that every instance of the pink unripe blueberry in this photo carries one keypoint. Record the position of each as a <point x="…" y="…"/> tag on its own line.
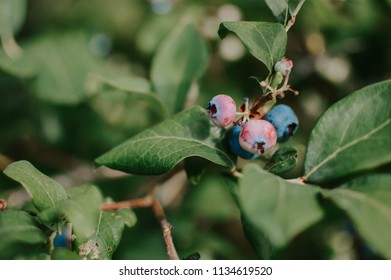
<point x="283" y="66"/>
<point x="258" y="136"/>
<point x="222" y="110"/>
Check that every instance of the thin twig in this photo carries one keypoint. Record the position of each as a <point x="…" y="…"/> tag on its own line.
<point x="150" y="201"/>
<point x="134" y="203"/>
<point x="166" y="227"/>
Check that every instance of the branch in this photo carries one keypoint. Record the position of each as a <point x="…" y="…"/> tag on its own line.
<point x="166" y="227"/>
<point x="149" y="201"/>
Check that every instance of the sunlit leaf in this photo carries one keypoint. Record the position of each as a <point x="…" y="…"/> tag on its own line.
<point x="352" y="135"/>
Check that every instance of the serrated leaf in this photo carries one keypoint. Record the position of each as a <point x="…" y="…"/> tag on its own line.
<point x="81" y="209"/>
<point x="159" y="149"/>
<point x="45" y="192"/>
<point x="265" y="41"/>
<point x="62" y="62"/>
<point x="283" y="10"/>
<point x="179" y="61"/>
<point x="367" y="201"/>
<point x="352" y="135"/>
<point x="18" y="228"/>
<point x="276" y="207"/>
<point x="283" y="160"/>
<point x="103" y="243"/>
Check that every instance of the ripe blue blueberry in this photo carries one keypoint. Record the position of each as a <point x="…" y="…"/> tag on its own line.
<point x="222" y="110"/>
<point x="284" y="121"/>
<point x="258" y="136"/>
<point x="235" y="145"/>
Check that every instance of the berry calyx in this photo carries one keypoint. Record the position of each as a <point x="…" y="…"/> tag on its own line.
<point x="258" y="136"/>
<point x="222" y="110"/>
<point x="284" y="121"/>
<point x="235" y="145"/>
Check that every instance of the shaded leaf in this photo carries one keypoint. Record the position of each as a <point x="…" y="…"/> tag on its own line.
<point x="125" y="101"/>
<point x="159" y="149"/>
<point x="81" y="209"/>
<point x="276" y="207"/>
<point x="103" y="243"/>
<point x="128" y="216"/>
<point x="45" y="192"/>
<point x="179" y="61"/>
<point x="367" y="201"/>
<point x="283" y="160"/>
<point x="62" y="63"/>
<point x="352" y="135"/>
<point x="193" y="257"/>
<point x="283" y="10"/>
<point x="265" y="41"/>
<point x="257" y="238"/>
<point x="18" y="228"/>
<point x="12" y="14"/>
<point x="18" y="67"/>
<point x="64" y="254"/>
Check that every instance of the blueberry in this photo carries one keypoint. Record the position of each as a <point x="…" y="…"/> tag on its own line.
<point x="222" y="110"/>
<point x="258" y="136"/>
<point x="284" y="121"/>
<point x="235" y="145"/>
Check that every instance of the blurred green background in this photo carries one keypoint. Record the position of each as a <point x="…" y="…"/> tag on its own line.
<point x="56" y="114"/>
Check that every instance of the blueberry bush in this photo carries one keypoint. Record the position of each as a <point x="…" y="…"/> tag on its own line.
<point x="195" y="130"/>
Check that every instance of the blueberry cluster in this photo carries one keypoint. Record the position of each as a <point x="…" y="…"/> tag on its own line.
<point x="256" y="131"/>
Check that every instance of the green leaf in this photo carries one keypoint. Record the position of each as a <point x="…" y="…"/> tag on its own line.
<point x="283" y="10"/>
<point x="179" y="61"/>
<point x="81" y="209"/>
<point x="18" y="67"/>
<point x="367" y="201"/>
<point x="103" y="243"/>
<point x="63" y="62"/>
<point x="45" y="192"/>
<point x="64" y="254"/>
<point x="282" y="161"/>
<point x="128" y="216"/>
<point x="352" y="135"/>
<point x="124" y="100"/>
<point x="12" y="15"/>
<point x="159" y="149"/>
<point x="276" y="207"/>
<point x="18" y="228"/>
<point x="265" y="41"/>
<point x="258" y="240"/>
